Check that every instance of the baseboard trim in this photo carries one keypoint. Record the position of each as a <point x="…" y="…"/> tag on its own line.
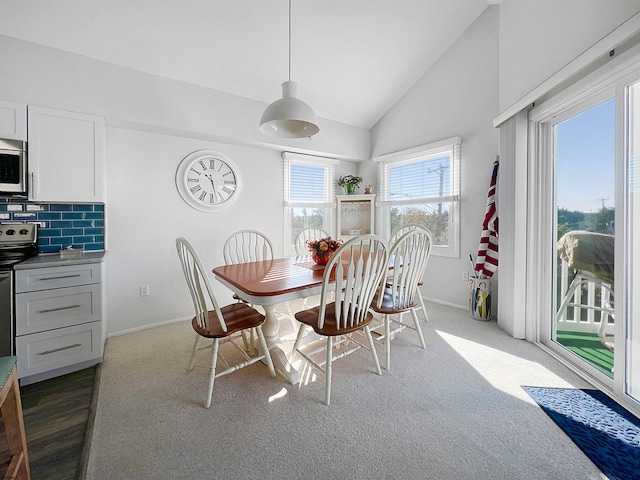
<point x="447" y="304"/>
<point x="147" y="327"/>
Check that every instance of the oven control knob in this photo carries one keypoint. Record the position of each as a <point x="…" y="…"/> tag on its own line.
<point x="11" y="232"/>
<point x="24" y="231"/>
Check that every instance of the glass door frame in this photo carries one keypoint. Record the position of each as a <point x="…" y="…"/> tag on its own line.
<point x="605" y="82"/>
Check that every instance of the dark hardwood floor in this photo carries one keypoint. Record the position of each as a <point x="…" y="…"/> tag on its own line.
<point x="58" y="417"/>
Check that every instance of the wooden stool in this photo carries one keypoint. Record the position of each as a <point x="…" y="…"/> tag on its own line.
<point x="11" y="410"/>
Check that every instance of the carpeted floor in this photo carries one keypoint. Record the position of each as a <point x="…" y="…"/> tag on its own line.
<point x="453" y="411"/>
<point x="607" y="433"/>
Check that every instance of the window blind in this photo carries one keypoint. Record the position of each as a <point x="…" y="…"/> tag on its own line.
<point x="429" y="177"/>
<point x="307" y="183"/>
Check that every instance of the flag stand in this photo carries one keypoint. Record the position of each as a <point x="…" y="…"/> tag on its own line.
<point x="487" y="260"/>
<point x="480" y="298"/>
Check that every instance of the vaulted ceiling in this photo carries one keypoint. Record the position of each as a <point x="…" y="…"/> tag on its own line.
<point x="352" y="59"/>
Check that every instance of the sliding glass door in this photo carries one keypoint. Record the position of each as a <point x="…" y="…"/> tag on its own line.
<point x="632" y="220"/>
<point x="584" y="154"/>
<point x="584" y="246"/>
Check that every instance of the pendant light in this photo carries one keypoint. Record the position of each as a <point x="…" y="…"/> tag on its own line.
<point x="289" y="117"/>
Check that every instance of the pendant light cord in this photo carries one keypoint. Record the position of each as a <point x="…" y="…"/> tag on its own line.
<point x="289" y="40"/>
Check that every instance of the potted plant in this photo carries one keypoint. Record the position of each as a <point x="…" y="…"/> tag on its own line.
<point x="350" y="183"/>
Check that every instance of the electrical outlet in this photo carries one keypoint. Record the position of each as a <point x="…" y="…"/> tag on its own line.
<point x="144" y="290"/>
<point x="465" y="275"/>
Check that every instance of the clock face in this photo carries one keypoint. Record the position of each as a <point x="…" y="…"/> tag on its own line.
<point x="207" y="180"/>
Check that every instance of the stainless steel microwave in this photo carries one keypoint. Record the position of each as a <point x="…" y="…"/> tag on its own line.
<point x="13" y="167"/>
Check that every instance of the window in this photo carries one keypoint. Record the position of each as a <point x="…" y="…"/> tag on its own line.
<point x="421" y="187"/>
<point x="309" y="195"/>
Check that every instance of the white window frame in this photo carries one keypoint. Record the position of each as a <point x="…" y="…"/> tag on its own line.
<point x="328" y="203"/>
<point x="450" y="146"/>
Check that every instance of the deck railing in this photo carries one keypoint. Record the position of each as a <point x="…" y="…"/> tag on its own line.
<point x="590" y="309"/>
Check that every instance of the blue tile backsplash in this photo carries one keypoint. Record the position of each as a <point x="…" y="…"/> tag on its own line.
<point x="60" y="224"/>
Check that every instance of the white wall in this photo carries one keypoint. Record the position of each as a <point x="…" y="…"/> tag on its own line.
<point x="145" y="214"/>
<point x="151" y="125"/>
<point x="45" y="76"/>
<point x="504" y="55"/>
<point x="458" y="96"/>
<point x="539" y="37"/>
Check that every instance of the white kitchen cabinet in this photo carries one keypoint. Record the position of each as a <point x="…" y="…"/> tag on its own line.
<point x="66" y="156"/>
<point x="13" y="120"/>
<point x="58" y="319"/>
<point x="355" y="215"/>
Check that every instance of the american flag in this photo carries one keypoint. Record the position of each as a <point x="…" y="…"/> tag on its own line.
<point x="487" y="260"/>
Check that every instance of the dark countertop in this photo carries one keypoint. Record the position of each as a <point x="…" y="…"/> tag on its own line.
<point x="56" y="260"/>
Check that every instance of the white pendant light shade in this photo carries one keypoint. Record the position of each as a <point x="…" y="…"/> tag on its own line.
<point x="289" y="117"/>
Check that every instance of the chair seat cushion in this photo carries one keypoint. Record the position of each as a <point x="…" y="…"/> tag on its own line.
<point x="389" y="306"/>
<point x="238" y="316"/>
<point x="329" y="329"/>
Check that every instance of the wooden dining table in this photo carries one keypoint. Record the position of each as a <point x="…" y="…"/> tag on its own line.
<point x="271" y="282"/>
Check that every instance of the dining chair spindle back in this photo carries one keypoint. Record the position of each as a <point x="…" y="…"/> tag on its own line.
<point x="354" y="272"/>
<point x="393" y="239"/>
<point x="247" y="246"/>
<point x="398" y="292"/>
<point x="301" y="244"/>
<point x="221" y="325"/>
<point x="307" y="235"/>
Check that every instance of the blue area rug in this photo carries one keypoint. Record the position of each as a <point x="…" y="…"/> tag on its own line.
<point x="607" y="433"/>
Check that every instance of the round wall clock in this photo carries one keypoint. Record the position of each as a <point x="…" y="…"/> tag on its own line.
<point x="207" y="180"/>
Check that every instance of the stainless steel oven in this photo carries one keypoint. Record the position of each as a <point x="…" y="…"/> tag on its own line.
<point x="18" y="242"/>
<point x="13" y="167"/>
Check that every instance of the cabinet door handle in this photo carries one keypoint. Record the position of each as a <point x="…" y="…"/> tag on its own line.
<point x="57" y="278"/>
<point x="32" y="186"/>
<point x="58" y="309"/>
<point x="49" y="352"/>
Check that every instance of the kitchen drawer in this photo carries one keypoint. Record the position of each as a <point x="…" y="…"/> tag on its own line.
<point x="31" y="280"/>
<point x="60" y="307"/>
<point x="41" y="352"/>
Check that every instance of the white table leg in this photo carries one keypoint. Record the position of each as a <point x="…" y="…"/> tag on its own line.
<point x="271" y="329"/>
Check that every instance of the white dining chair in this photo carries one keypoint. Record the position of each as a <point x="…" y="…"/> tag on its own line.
<point x="302" y="248"/>
<point x="247" y="246"/>
<point x="392" y="239"/>
<point x="307" y="235"/>
<point x="398" y="292"/>
<point x="222" y="325"/>
<point x="354" y="272"/>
